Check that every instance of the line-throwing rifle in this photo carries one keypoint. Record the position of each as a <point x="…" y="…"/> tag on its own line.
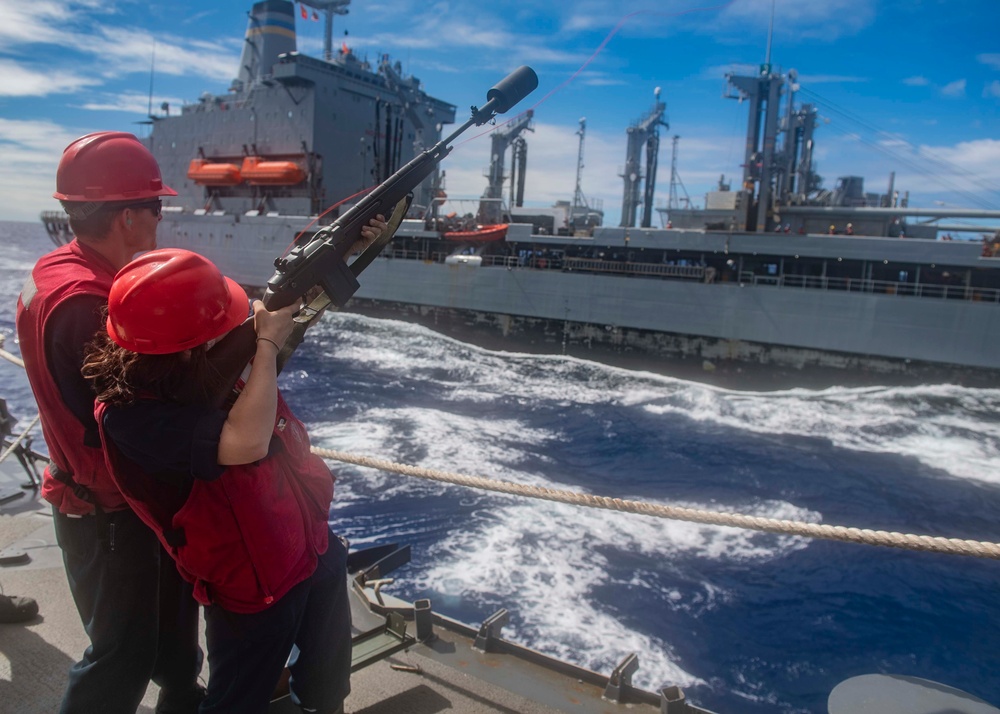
<point x="321" y="259"/>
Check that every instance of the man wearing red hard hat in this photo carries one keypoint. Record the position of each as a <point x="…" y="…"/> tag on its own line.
<point x="139" y="614"/>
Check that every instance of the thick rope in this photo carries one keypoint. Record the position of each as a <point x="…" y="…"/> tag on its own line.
<point x="11" y="357"/>
<point x="7" y="452"/>
<point x="935" y="544"/>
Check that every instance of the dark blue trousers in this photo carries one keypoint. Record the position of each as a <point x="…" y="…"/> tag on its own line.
<point x="312" y="623"/>
<point x="140" y="615"/>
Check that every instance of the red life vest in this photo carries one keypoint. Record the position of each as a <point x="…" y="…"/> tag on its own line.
<point x="246" y="538"/>
<point x="69" y="271"/>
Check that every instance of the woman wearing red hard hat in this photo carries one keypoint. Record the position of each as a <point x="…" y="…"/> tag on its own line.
<point x="236" y="497"/>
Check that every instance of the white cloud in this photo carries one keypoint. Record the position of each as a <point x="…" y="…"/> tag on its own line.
<point x="26" y="24"/>
<point x="130" y="103"/>
<point x="810" y="79"/>
<point x="21" y="80"/>
<point x="31" y="152"/>
<point x="123" y="50"/>
<point x="954" y="89"/>
<point x="803" y="21"/>
<point x="991" y="59"/>
<point x="992" y="89"/>
<point x="917" y="81"/>
<point x="105" y="50"/>
<point x="980" y="157"/>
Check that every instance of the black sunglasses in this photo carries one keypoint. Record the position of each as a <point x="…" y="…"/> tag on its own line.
<point x="156" y="206"/>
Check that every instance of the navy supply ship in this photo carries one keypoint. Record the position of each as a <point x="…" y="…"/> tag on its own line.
<point x="777" y="273"/>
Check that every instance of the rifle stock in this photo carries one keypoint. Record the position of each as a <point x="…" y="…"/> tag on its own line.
<point x="322" y="259"/>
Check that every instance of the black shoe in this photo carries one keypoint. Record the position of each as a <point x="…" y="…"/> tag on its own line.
<point x="185" y="703"/>
<point x="17" y="609"/>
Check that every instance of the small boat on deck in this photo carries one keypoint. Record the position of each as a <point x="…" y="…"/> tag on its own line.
<point x="481" y="234"/>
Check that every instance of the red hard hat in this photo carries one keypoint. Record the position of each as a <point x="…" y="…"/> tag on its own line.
<point x="170" y="300"/>
<point x="108" y="166"/>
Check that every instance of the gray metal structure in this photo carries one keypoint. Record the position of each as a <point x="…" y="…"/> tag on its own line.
<point x="509" y="135"/>
<point x="642" y="133"/>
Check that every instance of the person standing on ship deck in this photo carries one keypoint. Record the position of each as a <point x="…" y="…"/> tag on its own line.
<point x="138" y="613"/>
<point x="236" y="496"/>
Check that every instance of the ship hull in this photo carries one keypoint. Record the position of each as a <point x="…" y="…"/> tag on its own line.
<point x="651" y="322"/>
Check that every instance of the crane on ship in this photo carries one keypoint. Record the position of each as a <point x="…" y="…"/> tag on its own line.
<point x="490" y="211"/>
<point x="643" y="133"/>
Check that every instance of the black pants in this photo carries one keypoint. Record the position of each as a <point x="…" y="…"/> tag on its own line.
<point x="139" y="614"/>
<point x="246" y="653"/>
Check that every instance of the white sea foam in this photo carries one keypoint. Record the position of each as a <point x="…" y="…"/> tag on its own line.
<point x="545" y="559"/>
<point x="946" y="427"/>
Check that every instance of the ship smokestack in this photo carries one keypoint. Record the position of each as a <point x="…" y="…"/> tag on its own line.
<point x="270" y="32"/>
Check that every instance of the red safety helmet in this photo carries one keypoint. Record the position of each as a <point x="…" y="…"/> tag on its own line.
<point x="170" y="300"/>
<point x="108" y="166"/>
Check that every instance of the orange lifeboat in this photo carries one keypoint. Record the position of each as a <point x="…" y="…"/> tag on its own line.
<point x="260" y="172"/>
<point x="480" y="235"/>
<point x="205" y="173"/>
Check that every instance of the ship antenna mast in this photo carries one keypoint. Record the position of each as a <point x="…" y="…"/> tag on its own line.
<point x="331" y="8"/>
<point x="672" y="201"/>
<point x="770" y="33"/>
<point x="578" y="197"/>
<point x="152" y="66"/>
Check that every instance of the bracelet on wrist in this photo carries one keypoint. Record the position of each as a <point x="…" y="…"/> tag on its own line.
<point x="268" y="339"/>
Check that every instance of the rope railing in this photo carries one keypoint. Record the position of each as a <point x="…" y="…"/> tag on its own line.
<point x="933" y="544"/>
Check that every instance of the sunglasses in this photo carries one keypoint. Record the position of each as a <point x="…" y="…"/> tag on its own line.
<point x="156" y="206"/>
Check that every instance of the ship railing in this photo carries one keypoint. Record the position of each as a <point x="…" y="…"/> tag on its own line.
<point x="693" y="272"/>
<point x="57" y="226"/>
<point x="400" y="254"/>
<point x="877" y="287"/>
<point x="501" y="261"/>
<point x="689" y="272"/>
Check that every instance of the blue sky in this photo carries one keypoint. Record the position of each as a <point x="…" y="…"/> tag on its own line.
<point x="911" y="86"/>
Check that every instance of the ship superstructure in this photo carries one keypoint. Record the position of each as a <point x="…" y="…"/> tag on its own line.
<point x="295" y="133"/>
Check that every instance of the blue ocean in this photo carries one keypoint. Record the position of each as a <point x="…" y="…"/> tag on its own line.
<point x="744" y="622"/>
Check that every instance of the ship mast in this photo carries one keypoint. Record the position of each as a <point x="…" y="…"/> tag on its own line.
<point x="672" y="200"/>
<point x="763" y="93"/>
<point x="331" y="8"/>
<point x="579" y="200"/>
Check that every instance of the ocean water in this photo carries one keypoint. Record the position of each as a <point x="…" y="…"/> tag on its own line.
<point x="745" y="622"/>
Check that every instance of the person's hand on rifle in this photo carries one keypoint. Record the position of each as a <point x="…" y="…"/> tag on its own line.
<point x="369" y="234"/>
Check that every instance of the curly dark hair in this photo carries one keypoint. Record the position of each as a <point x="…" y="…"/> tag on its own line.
<point x="120" y="376"/>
